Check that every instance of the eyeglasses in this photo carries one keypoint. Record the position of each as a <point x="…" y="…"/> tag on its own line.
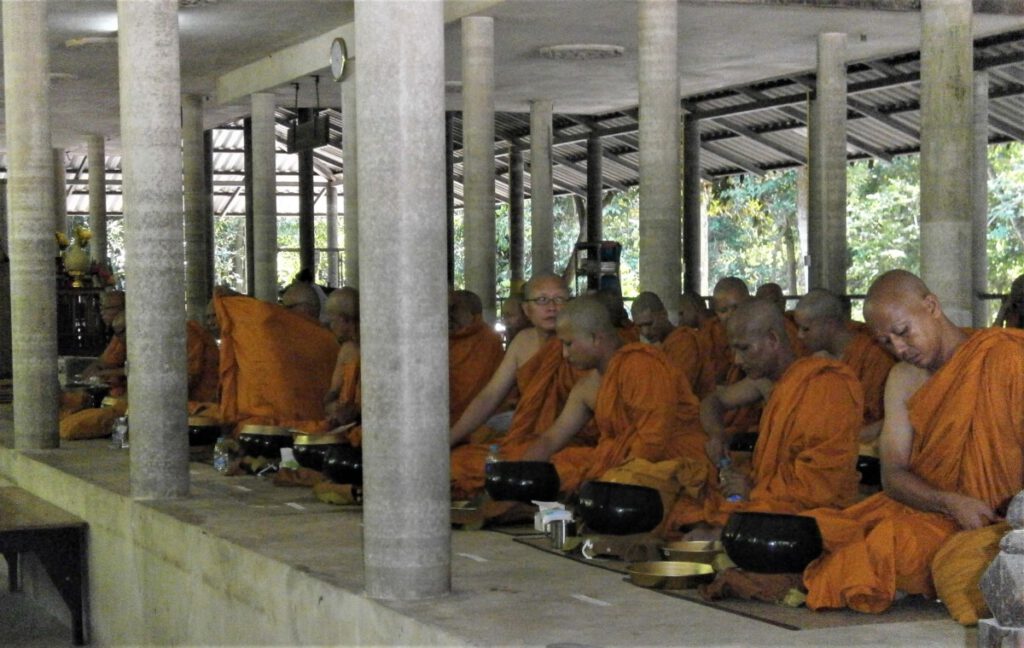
<point x="544" y="300"/>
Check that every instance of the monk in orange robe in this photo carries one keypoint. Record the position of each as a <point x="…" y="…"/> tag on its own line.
<point x="693" y="311"/>
<point x="806" y="450"/>
<point x="534" y="364"/>
<point x="474" y="351"/>
<point x="275" y="365"/>
<point x="342" y="310"/>
<point x="952" y="449"/>
<point x="825" y="330"/>
<point x="203" y="363"/>
<point x="640" y="405"/>
<point x="683" y="345"/>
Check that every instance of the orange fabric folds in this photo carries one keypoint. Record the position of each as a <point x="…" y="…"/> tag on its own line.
<point x="275" y="366"/>
<point x="968" y="422"/>
<point x="690" y="352"/>
<point x="203" y="363"/>
<point x="474" y="352"/>
<point x="871" y="363"/>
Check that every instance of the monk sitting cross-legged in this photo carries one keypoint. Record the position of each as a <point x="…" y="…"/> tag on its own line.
<point x="534" y="364"/>
<point x="684" y="345"/>
<point x="952" y="450"/>
<point x="342" y="309"/>
<point x="806" y="450"/>
<point x="641" y="406"/>
<point x="824" y="329"/>
<point x="474" y="351"/>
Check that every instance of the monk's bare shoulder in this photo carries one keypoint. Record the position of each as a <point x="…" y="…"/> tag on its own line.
<point x="905" y="379"/>
<point x="524" y="346"/>
<point x="587" y="387"/>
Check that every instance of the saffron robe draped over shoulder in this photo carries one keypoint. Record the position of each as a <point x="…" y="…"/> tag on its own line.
<point x="474" y="352"/>
<point x="644" y="410"/>
<point x="968" y="422"/>
<point x="806" y="451"/>
<point x="689" y="351"/>
<point x="203" y="363"/>
<point x="871" y="363"/>
<point x="275" y="365"/>
<point x="544" y="383"/>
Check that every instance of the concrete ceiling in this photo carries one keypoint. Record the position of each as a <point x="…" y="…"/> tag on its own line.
<point x="722" y="44"/>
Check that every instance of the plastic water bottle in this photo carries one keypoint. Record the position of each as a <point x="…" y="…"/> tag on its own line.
<point x="493" y="457"/>
<point x="221" y="455"/>
<point x="724" y="464"/>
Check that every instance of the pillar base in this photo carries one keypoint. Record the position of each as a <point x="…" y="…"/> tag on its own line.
<point x="993" y="635"/>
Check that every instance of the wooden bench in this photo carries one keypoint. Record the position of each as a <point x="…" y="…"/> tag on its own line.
<point x="30" y="524"/>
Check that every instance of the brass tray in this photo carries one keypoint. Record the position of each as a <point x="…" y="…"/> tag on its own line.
<point x="697" y="551"/>
<point x="670" y="574"/>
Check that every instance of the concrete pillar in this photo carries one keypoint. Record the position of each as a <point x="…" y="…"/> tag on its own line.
<point x="449" y="184"/>
<point x="211" y="262"/>
<point x="264" y="196"/>
<point x="307" y="244"/>
<point x="97" y="160"/>
<point x="515" y="214"/>
<point x="60" y="190"/>
<point x="406" y="534"/>
<point x="595" y="190"/>
<point x="350" y="155"/>
<point x="30" y="224"/>
<point x="802" y="199"/>
<point x="692" y="217"/>
<point x="332" y="233"/>
<point x="979" y="200"/>
<point x="542" y="246"/>
<point x="660" y="201"/>
<point x="478" y="160"/>
<point x="198" y="281"/>
<point x="5" y="289"/>
<point x="149" y="78"/>
<point x="250" y="215"/>
<point x="827" y="160"/>
<point x="947" y="152"/>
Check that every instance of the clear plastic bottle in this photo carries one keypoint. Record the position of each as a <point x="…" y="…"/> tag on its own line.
<point x="221" y="455"/>
<point x="493" y="457"/>
<point x="725" y="463"/>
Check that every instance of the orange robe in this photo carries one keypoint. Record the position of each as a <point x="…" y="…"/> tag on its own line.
<point x="644" y="410"/>
<point x="871" y="363"/>
<point x="628" y="333"/>
<point x="474" y="352"/>
<point x="806" y="451"/>
<point x="113" y="357"/>
<point x="689" y="351"/>
<point x="203" y="364"/>
<point x="544" y="383"/>
<point x="968" y="422"/>
<point x="351" y="392"/>
<point x="716" y="346"/>
<point x="275" y="365"/>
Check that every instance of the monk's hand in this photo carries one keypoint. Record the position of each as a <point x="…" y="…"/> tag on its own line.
<point x="968" y="512"/>
<point x="342" y="414"/>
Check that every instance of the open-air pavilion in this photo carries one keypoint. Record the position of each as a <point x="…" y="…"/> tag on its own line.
<point x="441" y="105"/>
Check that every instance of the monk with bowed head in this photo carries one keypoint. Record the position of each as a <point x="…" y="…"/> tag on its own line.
<point x="952" y="451"/>
<point x="474" y="350"/>
<point x="683" y="345"/>
<point x="301" y="299"/>
<point x="342" y="402"/>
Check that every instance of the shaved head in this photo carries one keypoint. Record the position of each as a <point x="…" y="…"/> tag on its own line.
<point x="469" y="300"/>
<point x="692" y="310"/>
<point x="758" y="338"/>
<point x="302" y="299"/>
<point x="544" y="281"/>
<point x="758" y="317"/>
<point x="589" y="338"/>
<point x="544" y="296"/>
<point x="647" y="302"/>
<point x="896" y="283"/>
<point x="651" y="318"/>
<point x="821" y="322"/>
<point x="587" y="315"/>
<point x="820" y="304"/>
<point x="342" y="309"/>
<point x="729" y="293"/>
<point x="612" y="301"/>
<point x="463" y="307"/>
<point x="773" y="293"/>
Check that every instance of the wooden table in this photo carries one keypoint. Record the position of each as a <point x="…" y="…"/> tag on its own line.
<point x="30" y="524"/>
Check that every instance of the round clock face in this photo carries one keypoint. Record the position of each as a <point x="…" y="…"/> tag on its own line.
<point x="339" y="56"/>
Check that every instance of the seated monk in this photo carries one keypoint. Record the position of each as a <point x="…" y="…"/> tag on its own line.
<point x="640" y="405"/>
<point x="729" y="293"/>
<point x="474" y="351"/>
<point x="301" y="299"/>
<point x="109" y="367"/>
<point x="824" y="328"/>
<point x="513" y="318"/>
<point x="114" y="355"/>
<point x="534" y="364"/>
<point x="773" y="293"/>
<point x="683" y="345"/>
<point x="342" y="309"/>
<point x="275" y="364"/>
<point x="693" y="311"/>
<point x="611" y="299"/>
<point x="203" y="364"/>
<point x="952" y="450"/>
<point x="806" y="450"/>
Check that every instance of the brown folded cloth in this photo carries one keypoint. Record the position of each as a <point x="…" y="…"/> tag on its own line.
<point x="338" y="494"/>
<point x="298" y="477"/>
<point x="773" y="588"/>
<point x="636" y="547"/>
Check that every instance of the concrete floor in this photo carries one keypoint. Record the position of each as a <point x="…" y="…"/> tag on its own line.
<point x="503" y="593"/>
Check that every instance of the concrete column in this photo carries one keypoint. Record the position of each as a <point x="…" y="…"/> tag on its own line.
<point x="5" y="289"/>
<point x="478" y="159"/>
<point x="406" y="534"/>
<point x="449" y="185"/>
<point x="211" y="261"/>
<point x="264" y="196"/>
<point x="149" y="78"/>
<point x="60" y="190"/>
<point x="250" y="215"/>
<point x="97" y="160"/>
<point x="307" y="245"/>
<point x="595" y="190"/>
<point x="692" y="217"/>
<point x="802" y="199"/>
<point x="30" y="224"/>
<point x="947" y="152"/>
<point x="542" y="246"/>
<point x="515" y="213"/>
<point x="827" y="160"/>
<point x="979" y="199"/>
<point x="332" y="233"/>
<point x="198" y="281"/>
<point x="660" y="201"/>
<point x="350" y="155"/>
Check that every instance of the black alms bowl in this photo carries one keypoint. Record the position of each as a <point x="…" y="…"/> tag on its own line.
<point x="619" y="509"/>
<point x="522" y="481"/>
<point x="343" y="464"/>
<point x="771" y="543"/>
<point x="870" y="469"/>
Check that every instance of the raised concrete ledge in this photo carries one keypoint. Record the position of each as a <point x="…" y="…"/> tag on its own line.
<point x="230" y="567"/>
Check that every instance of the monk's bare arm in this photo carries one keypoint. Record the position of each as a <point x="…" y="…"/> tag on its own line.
<point x="347" y="353"/>
<point x="895" y="446"/>
<point x="714" y="406"/>
<point x="495" y="391"/>
<point x="578" y="410"/>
